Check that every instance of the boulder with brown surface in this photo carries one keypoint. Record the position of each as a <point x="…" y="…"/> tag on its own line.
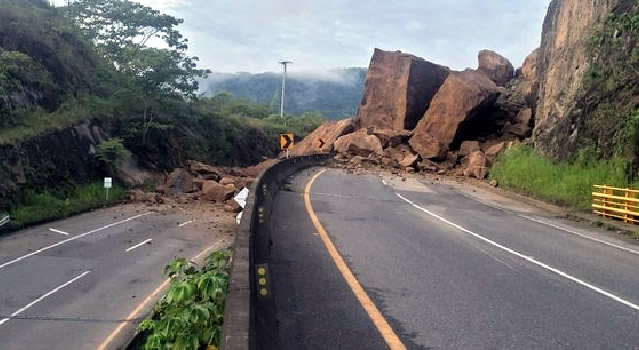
<point x="498" y="68"/>
<point x="231" y="206"/>
<point x="475" y="165"/>
<point x="323" y="138"/>
<point x="456" y="109"/>
<point x="468" y="147"/>
<point x="359" y="143"/>
<point x="216" y="192"/>
<point x="409" y="160"/>
<point x="204" y="170"/>
<point x="392" y="138"/>
<point x="493" y="151"/>
<point x="180" y="181"/>
<point x="398" y="90"/>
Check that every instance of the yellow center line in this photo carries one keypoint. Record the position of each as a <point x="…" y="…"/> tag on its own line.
<point x="150" y="298"/>
<point x="391" y="339"/>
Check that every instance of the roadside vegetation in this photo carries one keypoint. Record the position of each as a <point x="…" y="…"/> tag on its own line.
<point x="50" y="205"/>
<point x="191" y="314"/>
<point x="569" y="184"/>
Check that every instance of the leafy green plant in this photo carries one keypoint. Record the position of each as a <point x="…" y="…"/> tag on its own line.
<point x="191" y="314"/>
<point x="112" y="152"/>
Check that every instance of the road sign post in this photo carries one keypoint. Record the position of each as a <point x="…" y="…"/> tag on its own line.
<point x="287" y="143"/>
<point x="108" y="184"/>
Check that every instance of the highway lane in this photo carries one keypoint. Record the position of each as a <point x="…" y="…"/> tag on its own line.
<point x="70" y="284"/>
<point x="445" y="270"/>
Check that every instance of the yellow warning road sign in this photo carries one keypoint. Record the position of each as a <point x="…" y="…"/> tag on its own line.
<point x="287" y="142"/>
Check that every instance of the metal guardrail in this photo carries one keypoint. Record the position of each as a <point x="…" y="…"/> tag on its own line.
<point x="249" y="319"/>
<point x="5" y="220"/>
<point x="617" y="203"/>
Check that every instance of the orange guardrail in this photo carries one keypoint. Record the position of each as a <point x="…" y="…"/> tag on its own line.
<point x="617" y="203"/>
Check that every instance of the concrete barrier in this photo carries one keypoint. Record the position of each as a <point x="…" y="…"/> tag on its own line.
<point x="249" y="320"/>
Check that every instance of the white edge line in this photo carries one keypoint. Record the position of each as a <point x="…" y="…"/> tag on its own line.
<point x="11" y="262"/>
<point x="525" y="257"/>
<point x="138" y="245"/>
<point x="629" y="250"/>
<point x="58" y="231"/>
<point x="186" y="223"/>
<point x="55" y="290"/>
<point x="633" y="251"/>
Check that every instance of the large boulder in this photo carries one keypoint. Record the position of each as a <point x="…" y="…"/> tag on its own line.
<point x="475" y="165"/>
<point x="468" y="147"/>
<point x="204" y="170"/>
<point x="498" y="68"/>
<point x="216" y="192"/>
<point x="323" y="138"/>
<point x="454" y="113"/>
<point x="398" y="90"/>
<point x="180" y="181"/>
<point x="359" y="143"/>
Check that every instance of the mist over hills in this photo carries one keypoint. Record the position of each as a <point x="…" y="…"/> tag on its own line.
<point x="335" y="93"/>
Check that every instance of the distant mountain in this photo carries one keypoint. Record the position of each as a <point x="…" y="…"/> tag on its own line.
<point x="336" y="93"/>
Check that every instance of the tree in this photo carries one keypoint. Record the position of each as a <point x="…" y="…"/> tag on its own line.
<point x="121" y="30"/>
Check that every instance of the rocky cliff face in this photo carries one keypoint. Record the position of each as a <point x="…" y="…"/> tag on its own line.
<point x="562" y="62"/>
<point x="398" y="90"/>
<point x="57" y="160"/>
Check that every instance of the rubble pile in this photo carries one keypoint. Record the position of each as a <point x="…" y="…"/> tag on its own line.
<point x="418" y="116"/>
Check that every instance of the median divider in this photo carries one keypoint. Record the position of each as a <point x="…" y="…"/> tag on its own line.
<point x="249" y="317"/>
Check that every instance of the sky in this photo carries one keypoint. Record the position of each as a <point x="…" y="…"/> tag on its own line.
<point x="318" y="35"/>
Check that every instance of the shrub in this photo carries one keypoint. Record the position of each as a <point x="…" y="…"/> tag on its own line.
<point x="192" y="312"/>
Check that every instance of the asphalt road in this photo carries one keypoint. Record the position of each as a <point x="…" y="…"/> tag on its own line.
<point x="70" y="284"/>
<point x="446" y="271"/>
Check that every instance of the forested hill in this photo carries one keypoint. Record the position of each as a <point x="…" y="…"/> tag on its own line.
<point x="335" y="94"/>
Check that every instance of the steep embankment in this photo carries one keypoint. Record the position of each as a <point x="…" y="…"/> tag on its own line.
<point x="61" y="98"/>
<point x="564" y="60"/>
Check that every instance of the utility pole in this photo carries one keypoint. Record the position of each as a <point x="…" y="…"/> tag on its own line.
<point x="285" y="65"/>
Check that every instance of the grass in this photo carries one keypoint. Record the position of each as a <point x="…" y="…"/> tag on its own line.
<point x="523" y="170"/>
<point x="47" y="206"/>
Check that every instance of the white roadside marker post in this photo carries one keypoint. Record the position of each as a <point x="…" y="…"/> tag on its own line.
<point x="108" y="183"/>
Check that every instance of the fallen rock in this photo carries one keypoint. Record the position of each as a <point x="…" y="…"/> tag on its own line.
<point x="227" y="181"/>
<point x="217" y="192"/>
<point x="428" y="147"/>
<point x="427" y="166"/>
<point x="232" y="206"/>
<point x="359" y="143"/>
<point x="498" y="68"/>
<point x="460" y="102"/>
<point x="519" y="130"/>
<point x="204" y="170"/>
<point x="392" y="138"/>
<point x="180" y="181"/>
<point x="494" y="151"/>
<point x="410" y="170"/>
<point x="476" y="165"/>
<point x="451" y="159"/>
<point x="323" y="138"/>
<point x="468" y="147"/>
<point x="398" y="90"/>
<point x="409" y="160"/>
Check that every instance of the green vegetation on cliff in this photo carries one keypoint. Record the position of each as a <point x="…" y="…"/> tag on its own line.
<point x="611" y="87"/>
